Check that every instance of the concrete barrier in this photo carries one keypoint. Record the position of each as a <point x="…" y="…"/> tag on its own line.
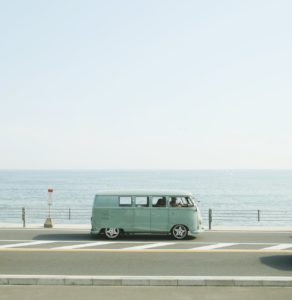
<point x="235" y="281"/>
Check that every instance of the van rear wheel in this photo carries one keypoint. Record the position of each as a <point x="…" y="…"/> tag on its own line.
<point x="179" y="232"/>
<point x="112" y="233"/>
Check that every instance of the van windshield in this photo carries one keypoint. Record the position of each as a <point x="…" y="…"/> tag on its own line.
<point x="181" y="202"/>
<point x="189" y="201"/>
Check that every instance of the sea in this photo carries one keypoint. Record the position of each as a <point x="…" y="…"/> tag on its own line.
<point x="236" y="197"/>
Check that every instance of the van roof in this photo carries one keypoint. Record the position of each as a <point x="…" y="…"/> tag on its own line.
<point x="143" y="193"/>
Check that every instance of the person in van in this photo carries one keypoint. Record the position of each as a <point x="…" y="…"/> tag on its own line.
<point x="173" y="202"/>
<point x="161" y="202"/>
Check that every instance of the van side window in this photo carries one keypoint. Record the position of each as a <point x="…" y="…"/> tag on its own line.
<point x="158" y="201"/>
<point x="173" y="202"/>
<point x="125" y="201"/>
<point x="142" y="201"/>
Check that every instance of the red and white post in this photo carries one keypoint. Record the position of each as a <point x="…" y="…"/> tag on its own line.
<point x="48" y="222"/>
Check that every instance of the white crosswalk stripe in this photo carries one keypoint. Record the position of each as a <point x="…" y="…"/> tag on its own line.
<point x="214" y="246"/>
<point x="148" y="246"/>
<point x="83" y="245"/>
<point x="138" y="245"/>
<point x="26" y="244"/>
<point x="278" y="247"/>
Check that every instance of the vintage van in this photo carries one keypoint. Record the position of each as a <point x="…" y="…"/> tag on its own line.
<point x="170" y="212"/>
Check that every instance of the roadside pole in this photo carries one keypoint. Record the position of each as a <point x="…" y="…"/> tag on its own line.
<point x="48" y="222"/>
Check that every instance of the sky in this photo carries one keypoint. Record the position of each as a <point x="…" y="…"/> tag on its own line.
<point x="153" y="84"/>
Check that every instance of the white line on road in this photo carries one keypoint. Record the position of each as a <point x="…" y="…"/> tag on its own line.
<point x="26" y="244"/>
<point x="149" y="246"/>
<point x="214" y="246"/>
<point x="83" y="245"/>
<point x="278" y="247"/>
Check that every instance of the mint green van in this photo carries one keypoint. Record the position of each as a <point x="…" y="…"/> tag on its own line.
<point x="171" y="212"/>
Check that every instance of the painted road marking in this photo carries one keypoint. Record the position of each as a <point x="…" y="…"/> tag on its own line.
<point x="26" y="244"/>
<point x="214" y="246"/>
<point x="155" y="245"/>
<point x="278" y="247"/>
<point x="83" y="245"/>
<point x="145" y="246"/>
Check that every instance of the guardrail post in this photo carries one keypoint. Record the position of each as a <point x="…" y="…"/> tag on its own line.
<point x="23" y="217"/>
<point x="259" y="216"/>
<point x="210" y="218"/>
<point x="69" y="213"/>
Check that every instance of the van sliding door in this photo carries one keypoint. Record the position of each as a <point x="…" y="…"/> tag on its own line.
<point x="142" y="214"/>
<point x="159" y="215"/>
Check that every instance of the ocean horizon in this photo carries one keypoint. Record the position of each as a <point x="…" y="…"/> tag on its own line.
<point x="220" y="190"/>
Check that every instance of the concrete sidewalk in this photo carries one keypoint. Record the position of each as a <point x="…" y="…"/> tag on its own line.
<point x="88" y="227"/>
<point x="41" y="226"/>
<point x="252" y="228"/>
<point x="142" y="293"/>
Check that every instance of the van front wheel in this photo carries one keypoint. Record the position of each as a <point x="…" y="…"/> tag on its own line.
<point x="112" y="233"/>
<point x="179" y="232"/>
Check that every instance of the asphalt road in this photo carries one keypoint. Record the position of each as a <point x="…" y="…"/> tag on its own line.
<point x="211" y="254"/>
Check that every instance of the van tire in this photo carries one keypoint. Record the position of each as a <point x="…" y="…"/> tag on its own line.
<point x="179" y="232"/>
<point x="112" y="233"/>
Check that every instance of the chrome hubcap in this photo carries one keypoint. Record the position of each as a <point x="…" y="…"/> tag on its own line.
<point x="112" y="232"/>
<point x="179" y="232"/>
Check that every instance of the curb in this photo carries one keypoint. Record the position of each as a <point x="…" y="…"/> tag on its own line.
<point x="235" y="281"/>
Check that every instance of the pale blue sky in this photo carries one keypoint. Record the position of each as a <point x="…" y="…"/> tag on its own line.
<point x="145" y="84"/>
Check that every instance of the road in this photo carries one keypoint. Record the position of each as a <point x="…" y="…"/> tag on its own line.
<point x="73" y="252"/>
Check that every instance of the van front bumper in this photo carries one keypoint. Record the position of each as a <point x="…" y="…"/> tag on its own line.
<point x="195" y="233"/>
<point x="92" y="231"/>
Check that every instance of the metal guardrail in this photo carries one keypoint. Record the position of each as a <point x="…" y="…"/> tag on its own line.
<point x="33" y="215"/>
<point x="82" y="215"/>
<point x="244" y="217"/>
